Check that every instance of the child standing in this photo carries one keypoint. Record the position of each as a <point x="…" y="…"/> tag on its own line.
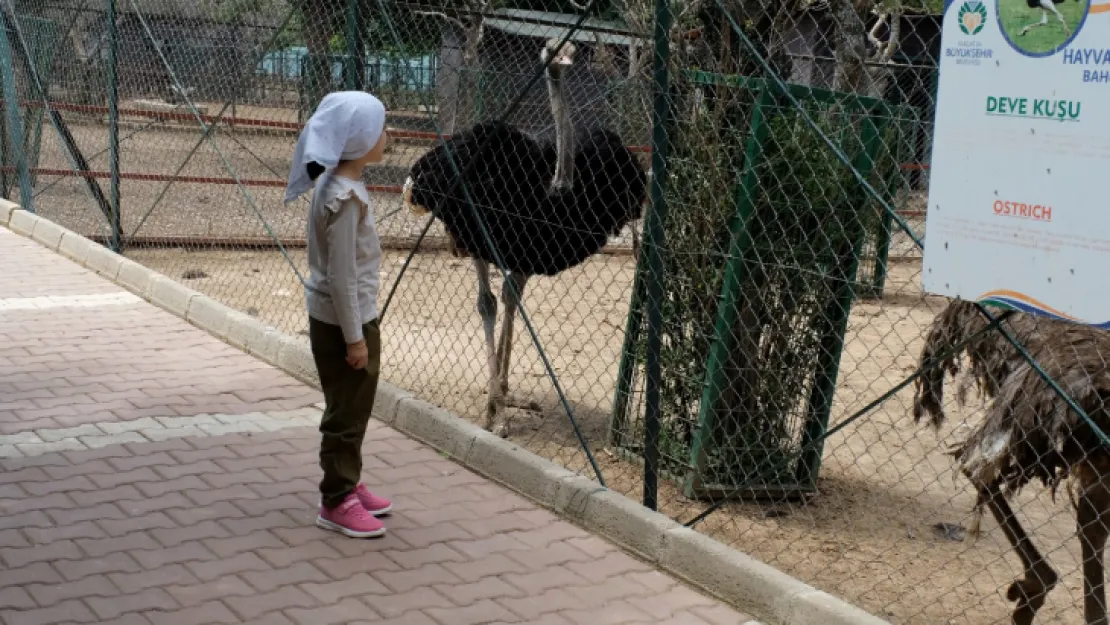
<point x="346" y="133"/>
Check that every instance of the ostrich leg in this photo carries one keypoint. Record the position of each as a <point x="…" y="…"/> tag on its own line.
<point x="1044" y="21"/>
<point x="505" y="346"/>
<point x="487" y="308"/>
<point x="1059" y="16"/>
<point x="1094" y="526"/>
<point x="1040" y="578"/>
<point x="512" y="303"/>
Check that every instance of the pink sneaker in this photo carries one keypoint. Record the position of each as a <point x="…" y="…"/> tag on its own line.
<point x="351" y="519"/>
<point x="374" y="504"/>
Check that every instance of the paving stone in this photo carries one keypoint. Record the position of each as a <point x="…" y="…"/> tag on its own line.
<point x="73" y="610"/>
<point x="133" y="494"/>
<point x="203" y="614"/>
<point x="196" y="594"/>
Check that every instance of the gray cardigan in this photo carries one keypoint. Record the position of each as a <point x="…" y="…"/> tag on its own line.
<point x="344" y="256"/>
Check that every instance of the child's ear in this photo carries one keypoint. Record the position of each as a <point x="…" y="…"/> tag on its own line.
<point x="314" y="170"/>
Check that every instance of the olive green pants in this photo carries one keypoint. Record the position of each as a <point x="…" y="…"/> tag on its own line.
<point x="348" y="398"/>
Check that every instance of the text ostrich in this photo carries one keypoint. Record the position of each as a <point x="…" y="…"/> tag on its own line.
<point x="1029" y="432"/>
<point x="545" y="207"/>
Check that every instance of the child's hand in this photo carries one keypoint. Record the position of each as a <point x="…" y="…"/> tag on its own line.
<point x="357" y="355"/>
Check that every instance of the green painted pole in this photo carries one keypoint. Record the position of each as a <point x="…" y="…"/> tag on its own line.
<point x="728" y="303"/>
<point x="5" y="184"/>
<point x="886" y="224"/>
<point x="113" y="128"/>
<point x="819" y="406"/>
<point x="619" y="420"/>
<point x="655" y="242"/>
<point x="15" y="124"/>
<point x="354" y="49"/>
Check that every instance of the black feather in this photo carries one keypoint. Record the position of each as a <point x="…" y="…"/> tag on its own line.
<point x="535" y="232"/>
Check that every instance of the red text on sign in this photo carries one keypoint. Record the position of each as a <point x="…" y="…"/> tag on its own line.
<point x="1022" y="210"/>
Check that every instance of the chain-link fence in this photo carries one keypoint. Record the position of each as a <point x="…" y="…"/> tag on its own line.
<point x="722" y="315"/>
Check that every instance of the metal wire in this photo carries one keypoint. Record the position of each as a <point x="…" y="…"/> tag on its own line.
<point x="459" y="181"/>
<point x="1056" y="388"/>
<point x="208" y="132"/>
<point x="206" y="127"/>
<point x="995" y="324"/>
<point x="786" y="324"/>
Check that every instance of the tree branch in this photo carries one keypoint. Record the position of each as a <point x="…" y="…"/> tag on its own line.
<point x="873" y="34"/>
<point x="849" y="48"/>
<point x="454" y="20"/>
<point x="895" y="37"/>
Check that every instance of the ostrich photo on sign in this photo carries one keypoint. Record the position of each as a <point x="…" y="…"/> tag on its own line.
<point x="1038" y="27"/>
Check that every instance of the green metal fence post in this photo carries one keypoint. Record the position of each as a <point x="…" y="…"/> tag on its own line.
<point x="24" y="56"/>
<point x="886" y="224"/>
<point x="740" y="241"/>
<point x="5" y="183"/>
<point x="113" y="128"/>
<point x="618" y="421"/>
<point x="353" y="65"/>
<point x="819" y="405"/>
<point x="45" y="38"/>
<point x="654" y="243"/>
<point x="14" y="123"/>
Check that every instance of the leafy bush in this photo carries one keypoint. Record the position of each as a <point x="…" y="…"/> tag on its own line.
<point x="799" y="246"/>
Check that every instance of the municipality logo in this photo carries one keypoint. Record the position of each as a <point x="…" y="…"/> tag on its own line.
<point x="972" y="17"/>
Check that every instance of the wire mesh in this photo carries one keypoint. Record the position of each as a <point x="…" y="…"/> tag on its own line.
<point x="795" y="346"/>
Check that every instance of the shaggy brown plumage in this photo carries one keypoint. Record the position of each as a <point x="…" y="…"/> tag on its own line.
<point x="1029" y="431"/>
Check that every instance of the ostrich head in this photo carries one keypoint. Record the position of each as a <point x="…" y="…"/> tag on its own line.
<point x="561" y="59"/>
<point x="406" y="199"/>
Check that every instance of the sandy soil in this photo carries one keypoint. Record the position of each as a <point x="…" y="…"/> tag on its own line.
<point x="867" y="537"/>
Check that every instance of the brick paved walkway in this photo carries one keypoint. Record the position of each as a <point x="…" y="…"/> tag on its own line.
<point x="151" y="474"/>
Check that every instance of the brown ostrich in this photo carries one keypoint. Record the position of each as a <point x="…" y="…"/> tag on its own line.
<point x="1029" y="432"/>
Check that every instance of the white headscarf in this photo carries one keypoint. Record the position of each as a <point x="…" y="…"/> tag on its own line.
<point x="345" y="126"/>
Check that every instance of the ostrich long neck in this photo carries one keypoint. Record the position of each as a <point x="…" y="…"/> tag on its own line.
<point x="564" y="133"/>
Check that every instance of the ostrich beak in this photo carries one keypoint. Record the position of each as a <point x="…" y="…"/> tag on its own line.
<point x="563" y="59"/>
<point x="406" y="198"/>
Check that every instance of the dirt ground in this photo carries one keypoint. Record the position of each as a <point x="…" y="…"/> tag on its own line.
<point x="885" y="483"/>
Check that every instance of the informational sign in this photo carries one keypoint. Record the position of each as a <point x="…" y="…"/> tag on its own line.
<point x="1018" y="211"/>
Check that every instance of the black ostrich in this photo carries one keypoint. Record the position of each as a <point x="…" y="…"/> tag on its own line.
<point x="546" y="207"/>
<point x="1046" y="7"/>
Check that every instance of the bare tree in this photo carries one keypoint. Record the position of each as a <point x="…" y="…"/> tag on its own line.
<point x="882" y="56"/>
<point x="321" y="19"/>
<point x="850" y="45"/>
<point x="468" y="19"/>
<point x="858" y="71"/>
<point x="640" y="17"/>
<point x="885" y="50"/>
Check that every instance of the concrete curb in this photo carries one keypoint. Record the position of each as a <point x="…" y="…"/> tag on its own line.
<point x="734" y="577"/>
